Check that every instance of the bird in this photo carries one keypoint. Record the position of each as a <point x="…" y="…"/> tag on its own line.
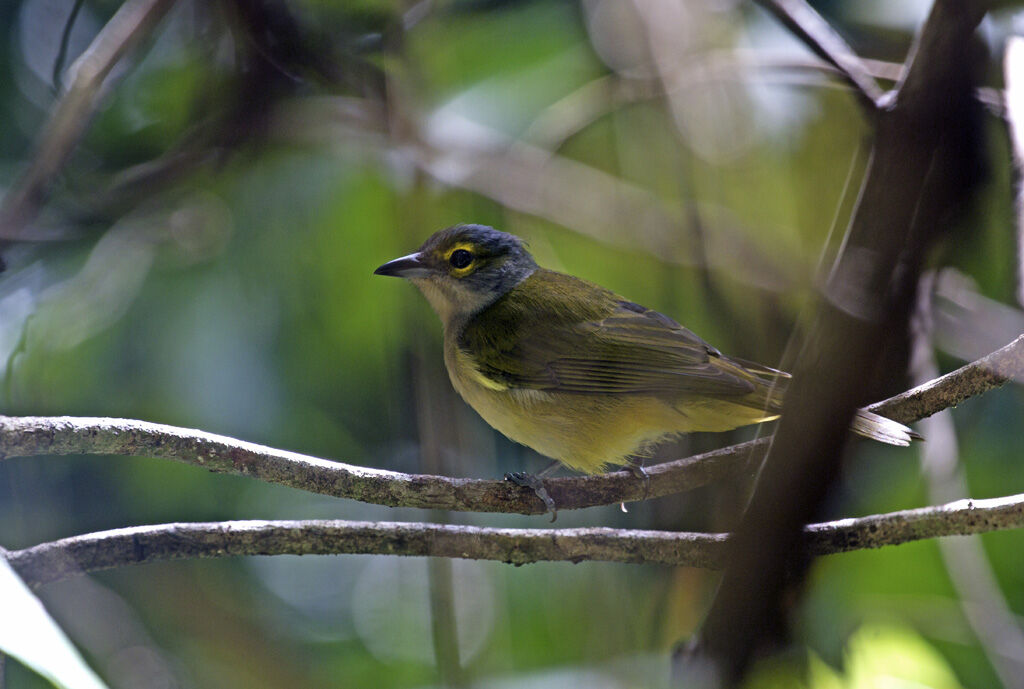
<point x="576" y="372"/>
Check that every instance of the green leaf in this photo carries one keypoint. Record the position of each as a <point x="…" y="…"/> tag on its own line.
<point x="29" y="634"/>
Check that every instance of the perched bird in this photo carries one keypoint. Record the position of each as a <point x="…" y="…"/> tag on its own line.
<point x="575" y="371"/>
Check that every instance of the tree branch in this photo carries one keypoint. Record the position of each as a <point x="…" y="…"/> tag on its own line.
<point x="826" y="43"/>
<point x="926" y="163"/>
<point x="69" y="557"/>
<point x="27" y="436"/>
<point x="947" y="391"/>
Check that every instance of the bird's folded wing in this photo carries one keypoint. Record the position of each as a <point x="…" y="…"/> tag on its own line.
<point x="632" y="350"/>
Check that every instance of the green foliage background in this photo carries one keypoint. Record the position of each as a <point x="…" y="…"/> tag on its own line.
<point x="239" y="299"/>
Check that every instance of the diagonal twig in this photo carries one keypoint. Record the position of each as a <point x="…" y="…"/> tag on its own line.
<point x="945" y="392"/>
<point x="1013" y="70"/>
<point x="126" y="30"/>
<point x="826" y="43"/>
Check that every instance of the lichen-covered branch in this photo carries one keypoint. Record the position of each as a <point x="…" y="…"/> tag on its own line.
<point x="947" y="391"/>
<point x="77" y="555"/>
<point x="33" y="436"/>
<point x="23" y="436"/>
<point x="70" y="557"/>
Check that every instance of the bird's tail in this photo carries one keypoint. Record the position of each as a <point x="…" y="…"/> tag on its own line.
<point x="883" y="430"/>
<point x="770" y="388"/>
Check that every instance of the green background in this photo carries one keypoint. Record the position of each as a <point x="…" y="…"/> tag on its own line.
<point x="239" y="298"/>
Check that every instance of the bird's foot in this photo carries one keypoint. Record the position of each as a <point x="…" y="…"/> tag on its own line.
<point x="521" y="478"/>
<point x="637" y="469"/>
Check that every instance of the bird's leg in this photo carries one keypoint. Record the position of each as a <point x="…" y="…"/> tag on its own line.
<point x="536" y="482"/>
<point x="636" y="467"/>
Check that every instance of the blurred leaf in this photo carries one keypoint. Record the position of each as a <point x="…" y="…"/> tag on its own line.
<point x="28" y="633"/>
<point x="882" y="656"/>
<point x="99" y="295"/>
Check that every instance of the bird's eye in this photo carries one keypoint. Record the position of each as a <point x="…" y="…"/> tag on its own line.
<point x="460" y="258"/>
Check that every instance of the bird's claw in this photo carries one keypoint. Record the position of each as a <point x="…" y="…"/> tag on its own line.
<point x="641" y="473"/>
<point x="521" y="478"/>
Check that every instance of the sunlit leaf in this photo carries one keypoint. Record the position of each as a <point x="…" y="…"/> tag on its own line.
<point x="28" y="633"/>
<point x="880" y="656"/>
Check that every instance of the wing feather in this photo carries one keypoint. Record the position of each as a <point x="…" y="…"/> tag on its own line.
<point x="569" y="345"/>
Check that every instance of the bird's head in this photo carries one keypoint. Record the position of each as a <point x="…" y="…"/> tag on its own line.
<point x="464" y="269"/>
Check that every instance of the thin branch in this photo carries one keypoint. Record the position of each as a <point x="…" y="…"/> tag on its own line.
<point x="69" y="557"/>
<point x="957" y="518"/>
<point x="1013" y="71"/>
<point x="826" y="43"/>
<point x="968" y="324"/>
<point x="28" y="436"/>
<point x="128" y="28"/>
<point x="579" y="109"/>
<point x="444" y="623"/>
<point x="949" y="390"/>
<point x="65" y="39"/>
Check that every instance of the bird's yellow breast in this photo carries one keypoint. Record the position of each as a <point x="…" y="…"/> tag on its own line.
<point x="584" y="432"/>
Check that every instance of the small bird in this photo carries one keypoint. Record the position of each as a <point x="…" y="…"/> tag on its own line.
<point x="575" y="371"/>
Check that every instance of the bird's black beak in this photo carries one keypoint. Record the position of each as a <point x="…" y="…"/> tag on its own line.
<point x="405" y="267"/>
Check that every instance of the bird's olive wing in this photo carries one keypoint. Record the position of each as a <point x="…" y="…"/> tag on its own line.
<point x="630" y="350"/>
